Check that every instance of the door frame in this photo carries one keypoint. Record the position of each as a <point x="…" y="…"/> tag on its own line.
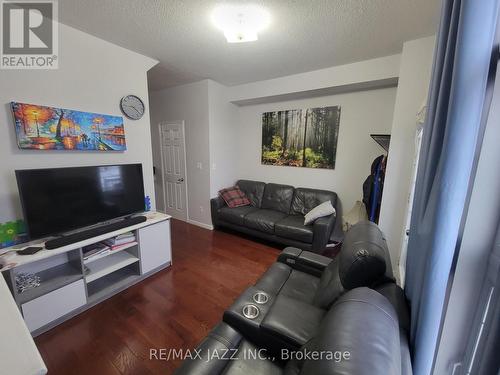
<point x="181" y="123"/>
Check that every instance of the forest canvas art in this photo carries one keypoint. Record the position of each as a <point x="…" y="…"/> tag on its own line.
<point x="301" y="137"/>
<point x="48" y="128"/>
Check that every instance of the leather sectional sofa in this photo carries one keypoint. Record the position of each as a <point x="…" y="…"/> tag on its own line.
<point x="307" y="306"/>
<point x="276" y="213"/>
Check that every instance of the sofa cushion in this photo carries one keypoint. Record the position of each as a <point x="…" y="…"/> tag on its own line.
<point x="235" y="215"/>
<point x="304" y="200"/>
<point x="234" y="197"/>
<point x="292" y="321"/>
<point x="330" y="287"/>
<point x="254" y="190"/>
<point x="322" y="210"/>
<point x="300" y="286"/>
<point x="278" y="197"/>
<point x="293" y="227"/>
<point x="263" y="220"/>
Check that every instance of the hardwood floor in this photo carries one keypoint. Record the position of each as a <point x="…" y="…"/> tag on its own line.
<point x="172" y="309"/>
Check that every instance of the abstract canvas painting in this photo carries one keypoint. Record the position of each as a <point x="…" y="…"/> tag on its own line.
<point x="301" y="137"/>
<point x="48" y="128"/>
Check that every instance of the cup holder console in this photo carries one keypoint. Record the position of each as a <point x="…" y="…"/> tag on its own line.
<point x="253" y="313"/>
<point x="260" y="298"/>
<point x="250" y="311"/>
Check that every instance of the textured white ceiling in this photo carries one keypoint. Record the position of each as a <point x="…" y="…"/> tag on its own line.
<point x="304" y="35"/>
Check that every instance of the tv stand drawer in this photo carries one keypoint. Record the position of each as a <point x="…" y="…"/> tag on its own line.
<point x="51" y="306"/>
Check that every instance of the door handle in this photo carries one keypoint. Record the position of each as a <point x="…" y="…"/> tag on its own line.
<point x="180" y="180"/>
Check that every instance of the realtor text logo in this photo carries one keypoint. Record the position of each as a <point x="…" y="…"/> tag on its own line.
<point x="29" y="35"/>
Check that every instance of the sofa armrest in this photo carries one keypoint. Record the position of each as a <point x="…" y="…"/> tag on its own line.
<point x="337" y="235"/>
<point x="217" y="202"/>
<point x="215" y="205"/>
<point x="305" y="261"/>
<point x="289" y="255"/>
<point x="322" y="230"/>
<point x="315" y="261"/>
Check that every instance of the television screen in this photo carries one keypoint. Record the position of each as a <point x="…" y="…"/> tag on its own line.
<point x="63" y="199"/>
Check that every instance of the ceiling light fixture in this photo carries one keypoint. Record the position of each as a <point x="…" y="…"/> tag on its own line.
<point x="240" y="23"/>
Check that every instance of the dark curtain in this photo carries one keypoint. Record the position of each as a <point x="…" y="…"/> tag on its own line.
<point x="452" y="135"/>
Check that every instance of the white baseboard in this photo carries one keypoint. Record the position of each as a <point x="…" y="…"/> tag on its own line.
<point x="202" y="225"/>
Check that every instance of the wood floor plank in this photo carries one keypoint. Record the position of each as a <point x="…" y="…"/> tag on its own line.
<point x="173" y="309"/>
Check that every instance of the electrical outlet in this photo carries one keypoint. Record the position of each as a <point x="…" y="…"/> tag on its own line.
<point x="202" y="209"/>
<point x="199" y="165"/>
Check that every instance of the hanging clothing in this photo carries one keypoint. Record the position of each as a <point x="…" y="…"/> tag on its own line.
<point x="373" y="188"/>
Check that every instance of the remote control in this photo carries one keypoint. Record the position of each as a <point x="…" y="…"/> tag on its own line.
<point x="29" y="250"/>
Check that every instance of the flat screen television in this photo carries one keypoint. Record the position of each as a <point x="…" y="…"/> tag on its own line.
<point x="59" y="200"/>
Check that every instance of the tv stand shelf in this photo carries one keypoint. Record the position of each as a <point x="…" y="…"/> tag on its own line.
<point x="109" y="264"/>
<point x="118" y="249"/>
<point x="52" y="279"/>
<point x="112" y="284"/>
<point x="69" y="284"/>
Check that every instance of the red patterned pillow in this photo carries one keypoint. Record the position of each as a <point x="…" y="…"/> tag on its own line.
<point x="234" y="197"/>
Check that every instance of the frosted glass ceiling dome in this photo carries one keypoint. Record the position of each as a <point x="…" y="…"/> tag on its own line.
<point x="240" y="23"/>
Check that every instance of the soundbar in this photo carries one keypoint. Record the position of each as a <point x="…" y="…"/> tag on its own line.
<point x="94" y="232"/>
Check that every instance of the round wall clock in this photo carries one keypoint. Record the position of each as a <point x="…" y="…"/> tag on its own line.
<point x="132" y="107"/>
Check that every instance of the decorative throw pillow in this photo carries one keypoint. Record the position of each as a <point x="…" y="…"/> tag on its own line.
<point x="324" y="209"/>
<point x="234" y="197"/>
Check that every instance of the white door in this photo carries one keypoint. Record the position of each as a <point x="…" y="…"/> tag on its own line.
<point x="173" y="158"/>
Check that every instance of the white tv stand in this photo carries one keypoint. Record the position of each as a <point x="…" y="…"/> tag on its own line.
<point x="66" y="289"/>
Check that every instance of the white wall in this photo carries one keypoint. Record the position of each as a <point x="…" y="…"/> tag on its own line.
<point x="224" y="138"/>
<point x="189" y="103"/>
<point x="368" y="73"/>
<point x="210" y="138"/>
<point x="93" y="75"/>
<point x="362" y="113"/>
<point x="414" y="78"/>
